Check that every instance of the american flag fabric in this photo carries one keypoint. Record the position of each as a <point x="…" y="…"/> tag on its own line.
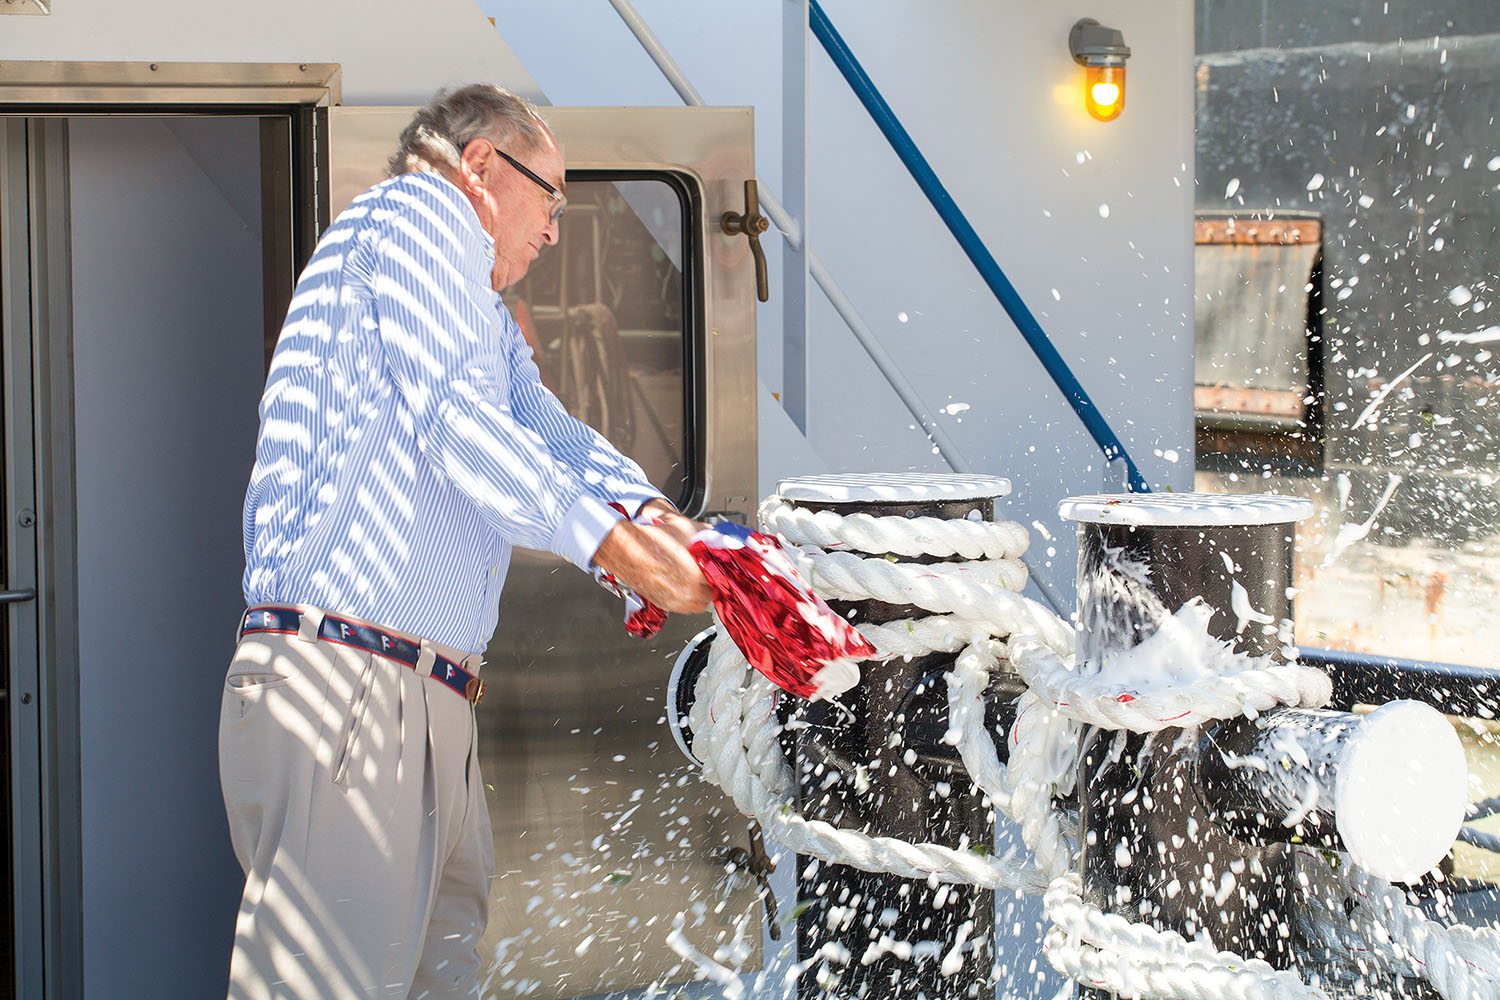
<point x="783" y="628"/>
<point x="406" y="440"/>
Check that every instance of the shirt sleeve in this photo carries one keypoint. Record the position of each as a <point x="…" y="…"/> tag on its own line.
<point x="440" y="332"/>
<point x="605" y="472"/>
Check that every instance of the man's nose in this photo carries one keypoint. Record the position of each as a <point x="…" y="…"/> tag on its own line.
<point x="549" y="234"/>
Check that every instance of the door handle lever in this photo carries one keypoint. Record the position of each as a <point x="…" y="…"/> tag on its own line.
<point x="752" y="224"/>
<point x="17" y="596"/>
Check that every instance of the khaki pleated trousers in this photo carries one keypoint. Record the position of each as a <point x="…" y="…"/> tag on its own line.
<point x="357" y="811"/>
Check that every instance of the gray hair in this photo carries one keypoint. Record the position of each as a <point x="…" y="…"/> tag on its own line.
<point x="451" y="120"/>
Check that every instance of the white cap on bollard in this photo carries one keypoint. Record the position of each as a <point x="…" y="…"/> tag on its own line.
<point x="1401" y="791"/>
<point x="1170" y="510"/>
<point x="891" y="487"/>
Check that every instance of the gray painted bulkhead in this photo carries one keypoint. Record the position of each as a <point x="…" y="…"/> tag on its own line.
<point x="168" y="367"/>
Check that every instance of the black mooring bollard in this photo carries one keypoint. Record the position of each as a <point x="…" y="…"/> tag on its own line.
<point x="1196" y="835"/>
<point x="875" y="762"/>
<point x="1151" y="849"/>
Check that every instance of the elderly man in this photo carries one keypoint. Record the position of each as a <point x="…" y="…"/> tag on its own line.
<point x="406" y="444"/>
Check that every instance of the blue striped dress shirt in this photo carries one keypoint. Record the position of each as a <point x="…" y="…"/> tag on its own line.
<point x="406" y="440"/>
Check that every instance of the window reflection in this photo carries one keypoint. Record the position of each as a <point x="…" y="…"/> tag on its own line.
<point x="1301" y="112"/>
<point x="605" y="313"/>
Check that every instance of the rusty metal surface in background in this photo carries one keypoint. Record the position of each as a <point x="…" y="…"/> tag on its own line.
<point x="1250" y="315"/>
<point x="1272" y="402"/>
<point x="1266" y="443"/>
<point x="603" y="834"/>
<point x="1257" y="232"/>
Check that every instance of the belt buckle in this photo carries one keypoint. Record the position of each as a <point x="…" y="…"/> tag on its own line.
<point x="474" y="690"/>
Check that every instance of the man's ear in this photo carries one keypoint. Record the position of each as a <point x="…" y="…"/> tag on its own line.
<point x="474" y="163"/>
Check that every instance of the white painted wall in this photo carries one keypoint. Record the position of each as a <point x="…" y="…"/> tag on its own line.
<point x="991" y="96"/>
<point x="391" y="52"/>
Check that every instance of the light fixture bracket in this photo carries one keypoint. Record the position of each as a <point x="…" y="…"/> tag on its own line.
<point x="1092" y="44"/>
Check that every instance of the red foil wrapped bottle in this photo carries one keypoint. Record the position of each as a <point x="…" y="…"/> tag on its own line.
<point x="784" y="629"/>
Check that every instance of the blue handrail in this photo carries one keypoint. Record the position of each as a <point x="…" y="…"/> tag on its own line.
<point x="972" y="245"/>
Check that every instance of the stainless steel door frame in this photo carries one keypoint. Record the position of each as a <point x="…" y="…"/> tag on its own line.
<point x="34" y="296"/>
<point x="40" y="510"/>
<point x="69" y="87"/>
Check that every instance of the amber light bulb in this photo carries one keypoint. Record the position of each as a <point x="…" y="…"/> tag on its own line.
<point x="1102" y="53"/>
<point x="1104" y="91"/>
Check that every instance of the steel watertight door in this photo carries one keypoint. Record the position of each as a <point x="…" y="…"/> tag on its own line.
<point x="642" y="319"/>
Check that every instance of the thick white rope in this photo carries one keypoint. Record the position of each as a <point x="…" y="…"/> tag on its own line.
<point x="1026" y="788"/>
<point x="920" y="636"/>
<point x="907" y="536"/>
<point x="1253" y="686"/>
<point x="1135" y="960"/>
<point x="976" y="604"/>
<point x="1461" y="962"/>
<point x="942" y="588"/>
<point x="734" y="733"/>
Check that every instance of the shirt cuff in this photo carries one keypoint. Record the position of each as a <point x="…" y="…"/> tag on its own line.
<point x="582" y="531"/>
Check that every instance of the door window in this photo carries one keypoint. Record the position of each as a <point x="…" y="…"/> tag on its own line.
<point x="607" y="312"/>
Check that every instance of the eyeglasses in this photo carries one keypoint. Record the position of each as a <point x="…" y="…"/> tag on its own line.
<point x="558" y="199"/>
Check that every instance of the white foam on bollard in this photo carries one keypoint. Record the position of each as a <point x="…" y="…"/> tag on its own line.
<point x="1401" y="791"/>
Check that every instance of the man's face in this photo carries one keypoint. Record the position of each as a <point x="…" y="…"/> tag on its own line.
<point x="513" y="208"/>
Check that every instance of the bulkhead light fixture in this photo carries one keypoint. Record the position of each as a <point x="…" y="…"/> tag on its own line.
<point x="1102" y="53"/>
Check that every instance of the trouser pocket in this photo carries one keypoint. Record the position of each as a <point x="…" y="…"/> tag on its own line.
<point x="248" y="713"/>
<point x="244" y="691"/>
<point x="253" y="716"/>
<point x="359" y="705"/>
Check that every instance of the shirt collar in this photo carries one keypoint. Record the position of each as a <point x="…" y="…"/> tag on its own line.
<point x="465" y="209"/>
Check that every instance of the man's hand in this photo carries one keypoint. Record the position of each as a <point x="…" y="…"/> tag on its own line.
<point x="679" y="527"/>
<point x="653" y="561"/>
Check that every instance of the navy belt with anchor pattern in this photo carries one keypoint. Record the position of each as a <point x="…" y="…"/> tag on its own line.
<point x="288" y="621"/>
